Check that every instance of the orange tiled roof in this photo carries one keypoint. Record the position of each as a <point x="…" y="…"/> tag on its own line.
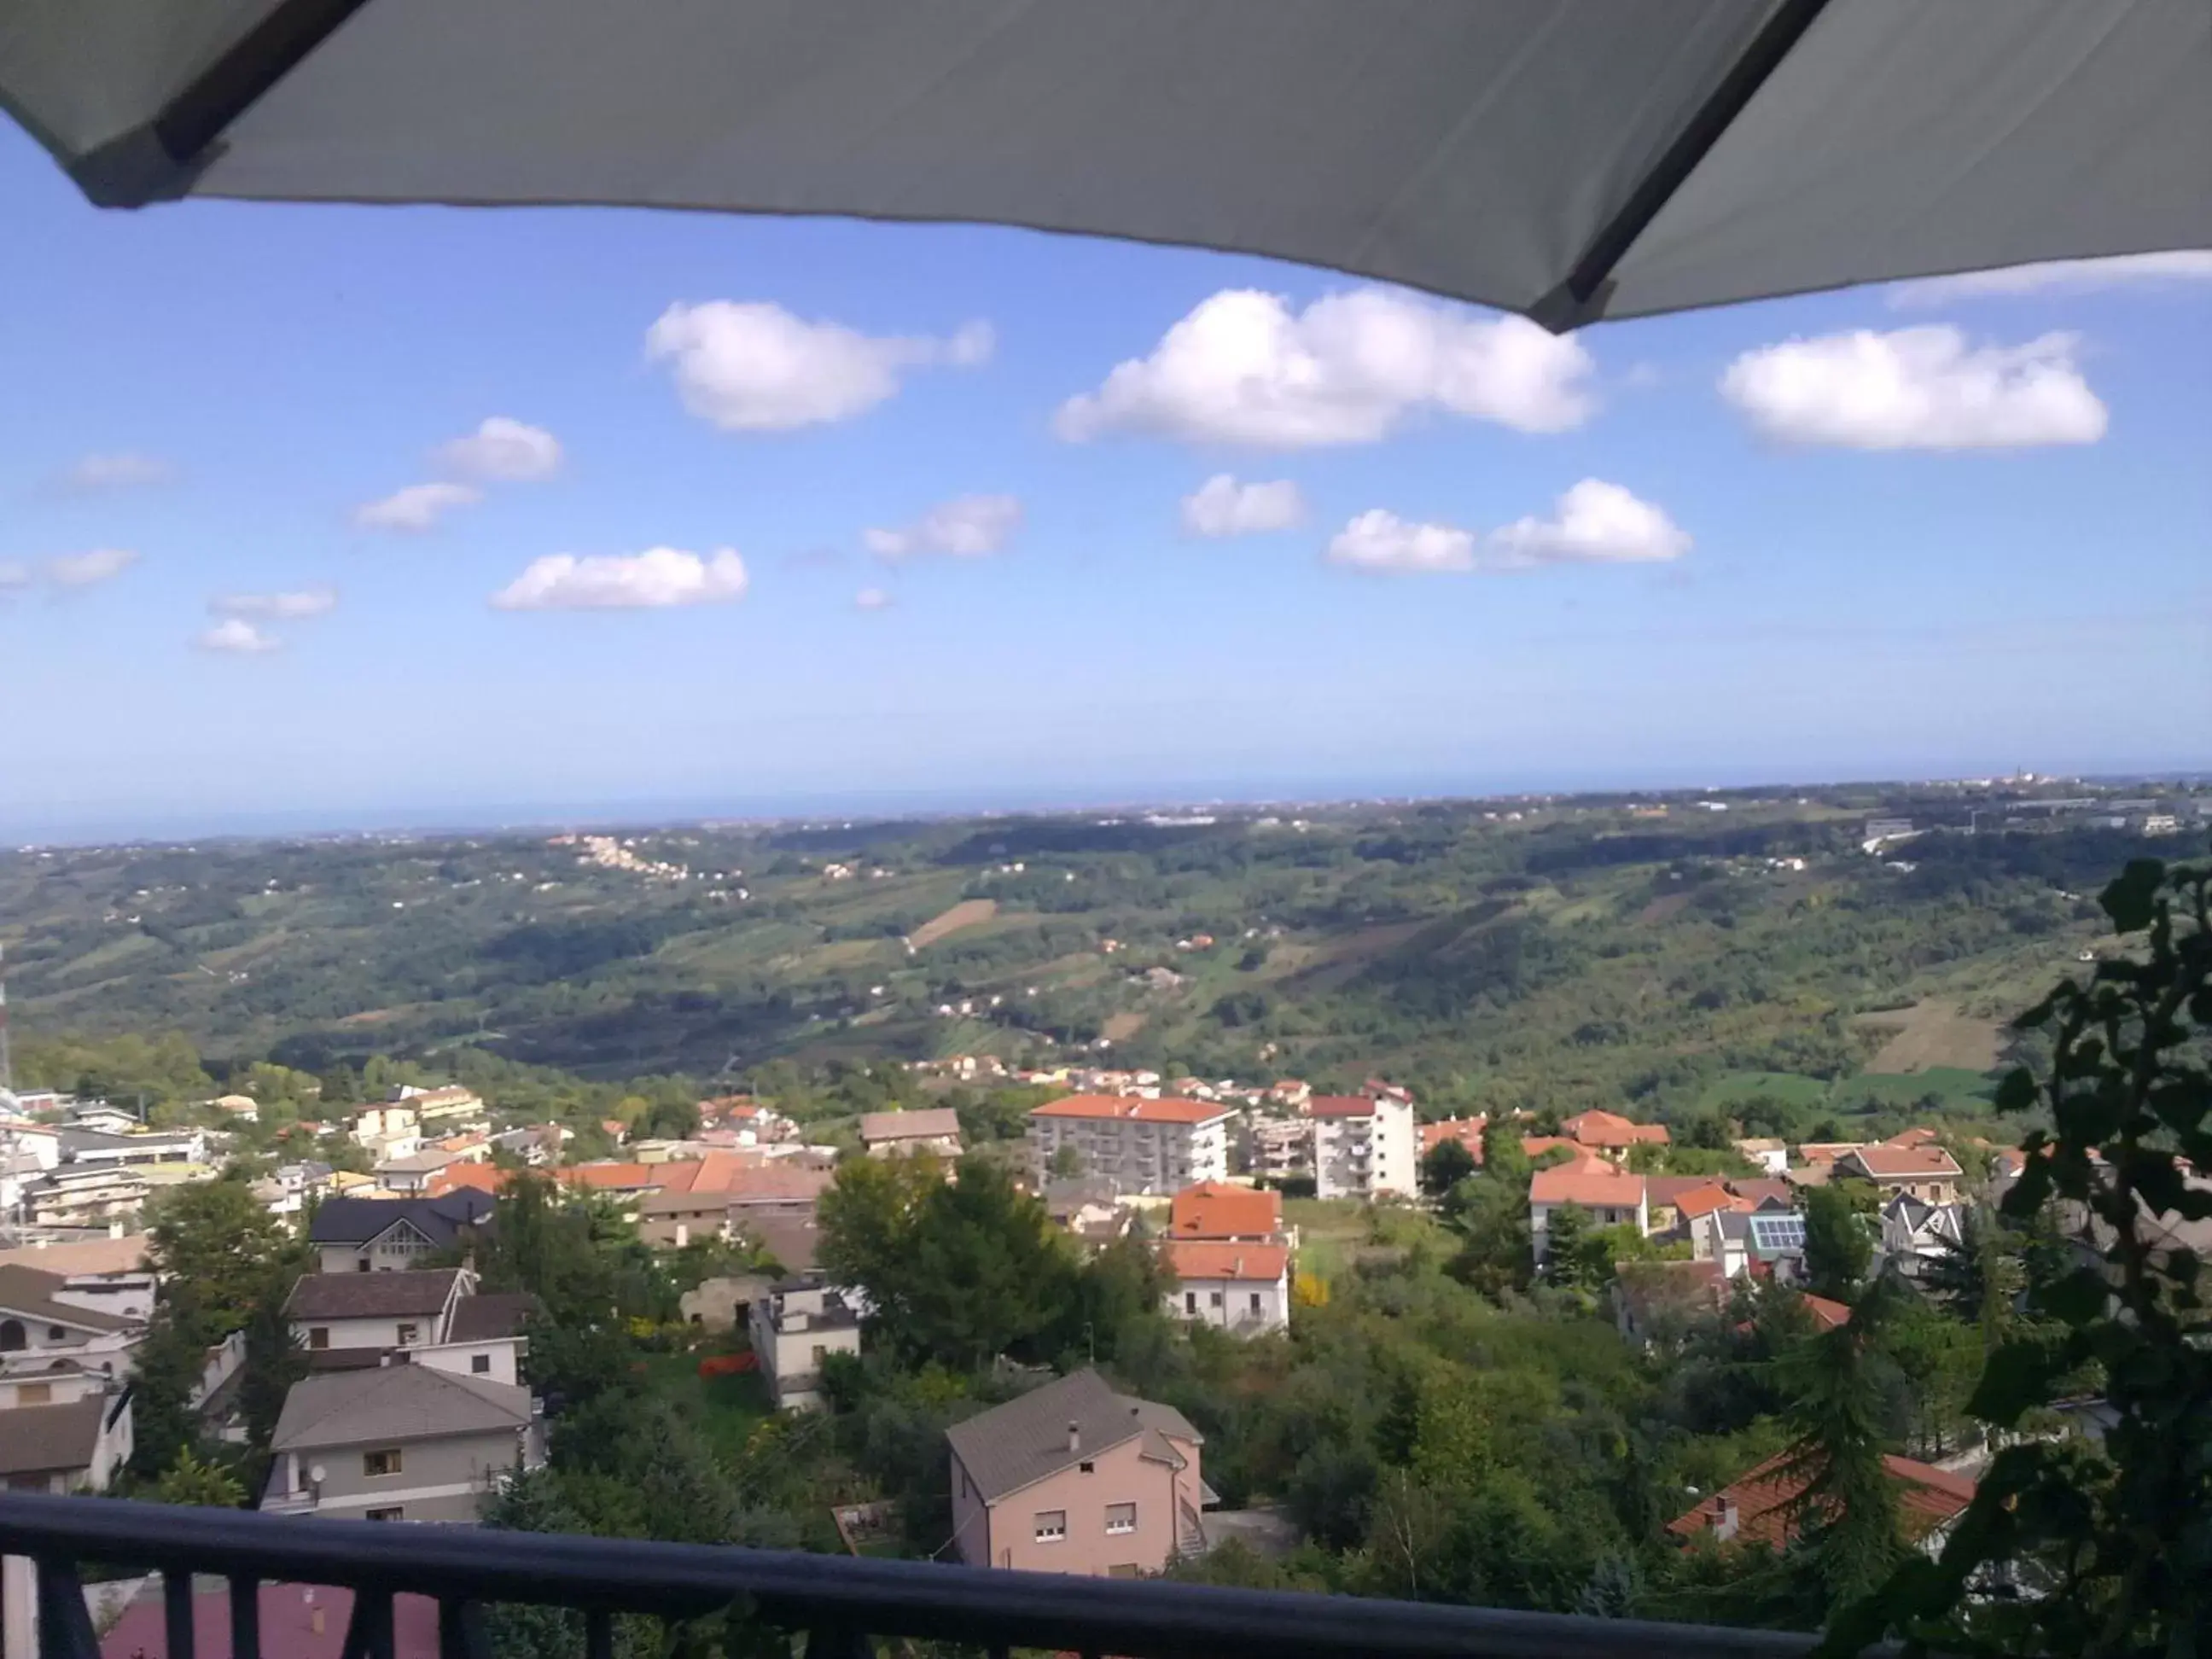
<point x="1133" y="1107"/>
<point x="483" y="1177"/>
<point x="1826" y="1151"/>
<point x="1919" y="1135"/>
<point x="1467" y="1130"/>
<point x="1764" y="1500"/>
<point x="612" y="1177"/>
<point x="1904" y="1162"/>
<point x="1596" y="1128"/>
<point x="1216" y="1209"/>
<point x="1199" y="1258"/>
<point x="1592" y="1185"/>
<point x="1703" y="1202"/>
<point x="1826" y="1315"/>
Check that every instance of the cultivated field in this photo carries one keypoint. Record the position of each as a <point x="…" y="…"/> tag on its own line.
<point x="1932" y="1034"/>
<point x="966" y="914"/>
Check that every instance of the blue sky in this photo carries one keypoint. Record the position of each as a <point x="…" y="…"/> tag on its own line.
<point x="1871" y="553"/>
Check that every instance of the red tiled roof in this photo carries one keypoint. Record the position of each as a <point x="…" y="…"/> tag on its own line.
<point x="1592" y="1185"/>
<point x="1761" y="1189"/>
<point x="1215" y="1209"/>
<point x="1764" y="1500"/>
<point x="1919" y="1135"/>
<point x="1826" y="1151"/>
<point x="1665" y="1189"/>
<point x="1340" y="1106"/>
<point x="1133" y="1107"/>
<point x="1199" y="1258"/>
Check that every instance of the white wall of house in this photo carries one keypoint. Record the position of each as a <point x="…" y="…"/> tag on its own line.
<point x="1245" y="1307"/>
<point x="407" y="1331"/>
<point x="1637" y="1215"/>
<point x="498" y="1358"/>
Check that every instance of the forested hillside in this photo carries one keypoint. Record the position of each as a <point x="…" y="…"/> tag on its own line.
<point x="1539" y="952"/>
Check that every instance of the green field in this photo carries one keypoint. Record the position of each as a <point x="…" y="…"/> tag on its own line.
<point x="727" y="1408"/>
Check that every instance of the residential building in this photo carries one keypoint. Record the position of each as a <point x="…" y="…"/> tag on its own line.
<point x="1223" y="1211"/>
<point x="353" y="1315"/>
<point x="444" y="1111"/>
<point x="715" y="1196"/>
<point x="82" y="1145"/>
<point x="1655" y="1302"/>
<point x="1090" y="1209"/>
<point x="1281" y="1148"/>
<point x="400" y="1443"/>
<point x="43" y="1321"/>
<point x="1766" y="1242"/>
<point x="77" y="1446"/>
<point x="1610" y="1197"/>
<point x="1768" y="1154"/>
<point x="383" y="1235"/>
<point x="1927" y="1172"/>
<point x="789" y="1241"/>
<point x="1663" y="1195"/>
<point x="1364" y="1146"/>
<point x="1072" y="1477"/>
<point x="1242" y="1289"/>
<point x="1151" y="1147"/>
<point x="934" y="1130"/>
<point x="1467" y="1130"/>
<point x="795" y="1327"/>
<point x="1914" y="1233"/>
<point x="1611" y="1133"/>
<point x="1768" y="1506"/>
<point x="238" y="1109"/>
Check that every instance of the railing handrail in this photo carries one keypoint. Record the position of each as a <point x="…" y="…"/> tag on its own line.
<point x="986" y="1607"/>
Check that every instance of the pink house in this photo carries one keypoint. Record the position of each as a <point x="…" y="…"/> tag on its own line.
<point x="1075" y="1477"/>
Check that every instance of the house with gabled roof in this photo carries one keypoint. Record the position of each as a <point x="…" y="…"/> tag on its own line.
<point x="400" y="1443"/>
<point x="1768" y="1506"/>
<point x="1074" y="1477"/>
<point x="1926" y="1171"/>
<point x="372" y="1235"/>
<point x="1610" y="1197"/>
<point x="1244" y="1289"/>
<point x="43" y="1321"/>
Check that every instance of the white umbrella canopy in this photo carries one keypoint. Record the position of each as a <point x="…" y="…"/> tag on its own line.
<point x="1573" y="159"/>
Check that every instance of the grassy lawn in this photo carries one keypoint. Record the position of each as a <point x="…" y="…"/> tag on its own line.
<point x="1329" y="1230"/>
<point x="1786" y="1087"/>
<point x="726" y="1407"/>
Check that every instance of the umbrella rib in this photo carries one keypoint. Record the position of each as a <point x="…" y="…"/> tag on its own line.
<point x="158" y="161"/>
<point x="1582" y="298"/>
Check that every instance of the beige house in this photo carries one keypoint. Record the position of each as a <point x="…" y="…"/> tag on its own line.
<point x="1072" y="1477"/>
<point x="1927" y="1172"/>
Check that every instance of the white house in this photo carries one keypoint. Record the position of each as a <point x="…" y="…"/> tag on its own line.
<point x="1244" y="1289"/>
<point x="795" y="1327"/>
<point x="332" y="1311"/>
<point x="1364" y="1146"/>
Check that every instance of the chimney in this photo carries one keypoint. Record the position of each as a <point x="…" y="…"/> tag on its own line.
<point x="1724" y="1524"/>
<point x="1074" y="1438"/>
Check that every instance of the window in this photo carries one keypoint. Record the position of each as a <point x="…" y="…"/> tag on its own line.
<point x="409" y="1335"/>
<point x="1087" y="1466"/>
<point x="1051" y="1526"/>
<point x="1190" y="1301"/>
<point x="395" y="1513"/>
<point x="1120" y="1518"/>
<point x="12" y="1336"/>
<point x="480" y="1362"/>
<point x="379" y="1463"/>
<point x="361" y="1264"/>
<point x="319" y="1336"/>
<point x="34" y="1394"/>
<point x="1256" y="1302"/>
<point x="1216" y="1299"/>
<point x="56" y="1333"/>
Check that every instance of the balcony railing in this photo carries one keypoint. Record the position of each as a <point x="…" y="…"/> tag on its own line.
<point x="839" y="1604"/>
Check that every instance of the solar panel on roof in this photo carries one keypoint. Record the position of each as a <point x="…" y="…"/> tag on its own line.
<point x="1778" y="1232"/>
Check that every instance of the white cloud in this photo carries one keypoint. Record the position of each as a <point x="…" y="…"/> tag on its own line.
<point x="1917" y="388"/>
<point x="14" y="575"/>
<point x="966" y="527"/>
<point x="1593" y="523"/>
<point x="1382" y="541"/>
<point x="657" y="578"/>
<point x="502" y="451"/>
<point x="89" y="569"/>
<point x="236" y="636"/>
<point x="293" y="606"/>
<point x="417" y="507"/>
<point x="2126" y="270"/>
<point x="1223" y="507"/>
<point x="753" y="367"/>
<point x="871" y="598"/>
<point x="123" y="470"/>
<point x="1348" y="369"/>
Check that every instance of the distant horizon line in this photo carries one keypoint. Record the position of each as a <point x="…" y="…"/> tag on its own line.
<point x="888" y="806"/>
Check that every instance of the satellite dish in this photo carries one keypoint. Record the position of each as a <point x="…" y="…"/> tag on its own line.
<point x="315" y="1473"/>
